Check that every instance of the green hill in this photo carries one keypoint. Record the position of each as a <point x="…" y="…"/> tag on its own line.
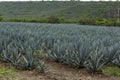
<point x="71" y="9"/>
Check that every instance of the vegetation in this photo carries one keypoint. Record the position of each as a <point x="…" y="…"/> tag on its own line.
<point x="6" y="72"/>
<point x="82" y="20"/>
<point x="97" y="21"/>
<point x="85" y="13"/>
<point x="71" y="9"/>
<point x="25" y="45"/>
<point x="21" y="45"/>
<point x="51" y="19"/>
<point x="113" y="71"/>
<point x="1" y="18"/>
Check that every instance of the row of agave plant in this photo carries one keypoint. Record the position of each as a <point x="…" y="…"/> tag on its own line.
<point x="80" y="55"/>
<point x="20" y="52"/>
<point x="24" y="44"/>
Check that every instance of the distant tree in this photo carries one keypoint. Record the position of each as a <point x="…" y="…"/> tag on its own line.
<point x="86" y="20"/>
<point x="61" y="19"/>
<point x="1" y="18"/>
<point x="53" y="19"/>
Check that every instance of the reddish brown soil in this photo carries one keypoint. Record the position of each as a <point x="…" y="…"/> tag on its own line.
<point x="57" y="71"/>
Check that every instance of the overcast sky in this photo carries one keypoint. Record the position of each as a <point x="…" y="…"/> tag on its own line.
<point x="56" y="0"/>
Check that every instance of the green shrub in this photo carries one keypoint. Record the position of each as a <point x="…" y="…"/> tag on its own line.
<point x="6" y="72"/>
<point x="112" y="71"/>
<point x="62" y="20"/>
<point x="53" y="19"/>
<point x="16" y="20"/>
<point x="98" y="21"/>
<point x="1" y="18"/>
<point x="86" y="20"/>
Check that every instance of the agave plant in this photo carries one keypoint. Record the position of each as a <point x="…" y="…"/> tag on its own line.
<point x="57" y="52"/>
<point x="116" y="60"/>
<point x="40" y="65"/>
<point x="71" y="44"/>
<point x="111" y="52"/>
<point x="29" y="58"/>
<point x="15" y="56"/>
<point x="1" y="46"/>
<point x="95" y="61"/>
<point x="5" y="55"/>
<point x="68" y="58"/>
<point x="81" y="54"/>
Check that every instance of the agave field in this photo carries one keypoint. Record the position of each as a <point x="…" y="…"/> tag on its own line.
<point x="24" y="45"/>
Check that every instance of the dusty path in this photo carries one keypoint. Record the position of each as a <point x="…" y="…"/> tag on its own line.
<point x="57" y="71"/>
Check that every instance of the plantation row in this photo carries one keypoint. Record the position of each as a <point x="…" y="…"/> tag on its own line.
<point x="24" y="45"/>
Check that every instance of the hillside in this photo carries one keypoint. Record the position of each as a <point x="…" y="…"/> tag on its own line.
<point x="72" y="9"/>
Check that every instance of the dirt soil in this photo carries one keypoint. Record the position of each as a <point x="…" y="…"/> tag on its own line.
<point x="57" y="71"/>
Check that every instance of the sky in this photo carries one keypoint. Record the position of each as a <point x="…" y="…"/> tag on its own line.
<point x="56" y="0"/>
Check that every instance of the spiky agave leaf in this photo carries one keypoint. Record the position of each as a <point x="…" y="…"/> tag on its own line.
<point x="15" y="57"/>
<point x="5" y="56"/>
<point x="29" y="58"/>
<point x="116" y="60"/>
<point x="57" y="52"/>
<point x="95" y="61"/>
<point x="40" y="65"/>
<point x="111" y="52"/>
<point x="81" y="53"/>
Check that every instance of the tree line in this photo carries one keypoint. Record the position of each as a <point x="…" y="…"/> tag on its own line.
<point x="83" y="20"/>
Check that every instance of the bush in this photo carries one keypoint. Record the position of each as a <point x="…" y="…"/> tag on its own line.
<point x="1" y="18"/>
<point x="53" y="19"/>
<point x="86" y="20"/>
<point x="16" y="20"/>
<point x="98" y="21"/>
<point x="62" y="20"/>
<point x="112" y="71"/>
<point x="6" y="72"/>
